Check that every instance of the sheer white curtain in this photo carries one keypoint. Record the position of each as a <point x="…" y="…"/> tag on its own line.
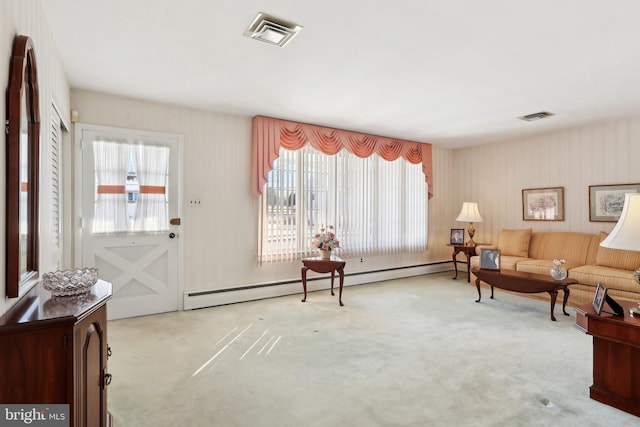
<point x="152" y="209"/>
<point x="111" y="160"/>
<point x="376" y="206"/>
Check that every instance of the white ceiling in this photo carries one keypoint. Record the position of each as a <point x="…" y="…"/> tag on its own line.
<point x="451" y="72"/>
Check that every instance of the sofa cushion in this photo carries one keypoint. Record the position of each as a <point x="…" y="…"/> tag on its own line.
<point x="514" y="242"/>
<point x="577" y="248"/>
<point x="543" y="266"/>
<point x="616" y="258"/>
<point x="613" y="278"/>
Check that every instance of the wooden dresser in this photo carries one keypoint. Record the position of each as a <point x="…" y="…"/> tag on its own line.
<point x="54" y="350"/>
<point x="616" y="356"/>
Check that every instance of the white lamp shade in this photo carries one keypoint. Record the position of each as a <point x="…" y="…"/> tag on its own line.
<point x="626" y="233"/>
<point x="469" y="213"/>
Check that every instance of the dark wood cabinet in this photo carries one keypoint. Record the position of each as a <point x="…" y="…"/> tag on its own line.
<point x="54" y="350"/>
<point x="616" y="356"/>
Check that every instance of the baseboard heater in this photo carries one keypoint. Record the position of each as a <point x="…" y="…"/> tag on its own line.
<point x="211" y="298"/>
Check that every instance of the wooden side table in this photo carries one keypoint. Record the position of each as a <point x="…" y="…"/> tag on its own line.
<point x="322" y="265"/>
<point x="468" y="251"/>
<point x="616" y="356"/>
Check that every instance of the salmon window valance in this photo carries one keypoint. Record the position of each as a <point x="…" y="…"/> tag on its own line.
<point x="270" y="134"/>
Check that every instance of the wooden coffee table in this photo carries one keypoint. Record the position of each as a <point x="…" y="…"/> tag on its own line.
<point x="528" y="283"/>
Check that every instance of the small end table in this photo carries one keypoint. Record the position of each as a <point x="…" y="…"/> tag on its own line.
<point x="323" y="265"/>
<point x="616" y="356"/>
<point x="469" y="251"/>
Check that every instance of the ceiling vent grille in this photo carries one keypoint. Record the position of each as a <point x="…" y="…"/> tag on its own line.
<point x="536" y="116"/>
<point x="272" y="30"/>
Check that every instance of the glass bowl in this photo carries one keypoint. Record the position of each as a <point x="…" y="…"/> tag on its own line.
<point x="70" y="282"/>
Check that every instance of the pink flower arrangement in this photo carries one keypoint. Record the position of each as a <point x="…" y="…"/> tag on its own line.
<point x="558" y="262"/>
<point x="325" y="240"/>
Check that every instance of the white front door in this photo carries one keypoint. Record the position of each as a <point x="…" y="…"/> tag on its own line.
<point x="131" y="215"/>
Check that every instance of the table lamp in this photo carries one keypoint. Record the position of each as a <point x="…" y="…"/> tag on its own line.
<point x="626" y="234"/>
<point x="470" y="213"/>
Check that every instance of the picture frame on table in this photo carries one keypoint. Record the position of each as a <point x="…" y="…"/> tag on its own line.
<point x="457" y="236"/>
<point x="543" y="204"/>
<point x="490" y="259"/>
<point x="599" y="297"/>
<point x="606" y="201"/>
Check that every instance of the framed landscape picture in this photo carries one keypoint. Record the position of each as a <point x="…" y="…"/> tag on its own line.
<point x="606" y="201"/>
<point x="543" y="204"/>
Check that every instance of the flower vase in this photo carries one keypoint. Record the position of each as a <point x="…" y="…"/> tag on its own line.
<point x="558" y="272"/>
<point x="325" y="254"/>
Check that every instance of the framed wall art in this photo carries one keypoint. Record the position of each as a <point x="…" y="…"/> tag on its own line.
<point x="543" y="204"/>
<point x="606" y="201"/>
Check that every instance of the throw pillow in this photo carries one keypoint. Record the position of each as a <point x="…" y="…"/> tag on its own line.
<point x="514" y="242"/>
<point x="616" y="258"/>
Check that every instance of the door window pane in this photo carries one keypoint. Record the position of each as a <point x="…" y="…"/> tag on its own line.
<point x="131" y="187"/>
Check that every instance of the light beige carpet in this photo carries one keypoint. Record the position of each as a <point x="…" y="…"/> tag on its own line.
<point x="410" y="352"/>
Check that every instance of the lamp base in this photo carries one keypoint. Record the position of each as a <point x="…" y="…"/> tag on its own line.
<point x="472" y="232"/>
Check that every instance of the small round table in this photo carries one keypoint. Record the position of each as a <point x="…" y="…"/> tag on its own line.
<point x="468" y="251"/>
<point x="323" y="265"/>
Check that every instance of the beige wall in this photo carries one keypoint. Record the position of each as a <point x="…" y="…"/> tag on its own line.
<point x="26" y="17"/>
<point x="220" y="237"/>
<point x="494" y="175"/>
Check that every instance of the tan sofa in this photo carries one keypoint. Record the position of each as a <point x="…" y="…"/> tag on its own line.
<point x="586" y="261"/>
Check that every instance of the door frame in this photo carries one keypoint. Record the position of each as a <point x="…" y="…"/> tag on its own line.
<point x="78" y="130"/>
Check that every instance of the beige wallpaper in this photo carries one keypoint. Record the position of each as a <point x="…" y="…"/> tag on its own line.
<point x="494" y="175"/>
<point x="220" y="237"/>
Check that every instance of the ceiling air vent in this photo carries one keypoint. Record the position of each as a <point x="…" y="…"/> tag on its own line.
<point x="536" y="116"/>
<point x="272" y="30"/>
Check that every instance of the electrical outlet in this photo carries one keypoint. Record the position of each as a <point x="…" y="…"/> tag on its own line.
<point x="361" y="259"/>
<point x="194" y="202"/>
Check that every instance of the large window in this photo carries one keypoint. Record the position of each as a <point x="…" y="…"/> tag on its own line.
<point x="376" y="206"/>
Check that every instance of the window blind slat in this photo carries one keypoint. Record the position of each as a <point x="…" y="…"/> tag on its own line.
<point x="377" y="206"/>
<point x="56" y="225"/>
